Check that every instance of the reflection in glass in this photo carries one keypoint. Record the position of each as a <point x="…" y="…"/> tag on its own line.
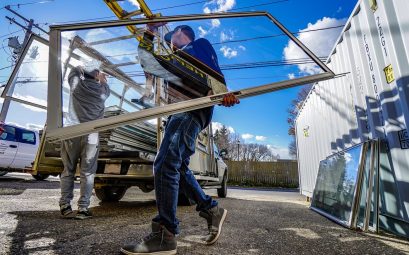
<point x="34" y="117"/>
<point x="30" y="83"/>
<point x="335" y="186"/>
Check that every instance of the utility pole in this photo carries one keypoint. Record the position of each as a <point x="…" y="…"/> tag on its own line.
<point x="18" y="49"/>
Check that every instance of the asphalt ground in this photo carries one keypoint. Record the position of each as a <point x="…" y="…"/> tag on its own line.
<point x="258" y="222"/>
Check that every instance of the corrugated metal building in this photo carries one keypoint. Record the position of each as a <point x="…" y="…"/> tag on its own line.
<point x="369" y="101"/>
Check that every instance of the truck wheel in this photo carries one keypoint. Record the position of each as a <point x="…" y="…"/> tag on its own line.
<point x="40" y="177"/>
<point x="110" y="194"/>
<point x="3" y="173"/>
<point x="222" y="192"/>
<point x="183" y="200"/>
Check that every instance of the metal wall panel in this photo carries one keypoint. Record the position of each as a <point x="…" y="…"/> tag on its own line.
<point x="371" y="100"/>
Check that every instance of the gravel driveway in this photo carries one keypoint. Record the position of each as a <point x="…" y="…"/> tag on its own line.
<point x="258" y="222"/>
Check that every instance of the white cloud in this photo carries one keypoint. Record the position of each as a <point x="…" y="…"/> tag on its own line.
<point x="348" y="157"/>
<point x="226" y="36"/>
<point x="339" y="9"/>
<point x="228" y="52"/>
<point x="219" y="6"/>
<point x="319" y="42"/>
<point x="99" y="33"/>
<point x="32" y="100"/>
<point x="33" y="126"/>
<point x="247" y="136"/>
<point x="134" y="3"/>
<point x="291" y="76"/>
<point x="153" y="122"/>
<point x="69" y="34"/>
<point x="282" y="151"/>
<point x="241" y="47"/>
<point x="260" y="138"/>
<point x="215" y="23"/>
<point x="119" y="50"/>
<point x="202" y="32"/>
<point x="32" y="108"/>
<point x="218" y="126"/>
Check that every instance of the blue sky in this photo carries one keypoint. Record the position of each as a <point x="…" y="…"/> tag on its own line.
<point x="259" y="119"/>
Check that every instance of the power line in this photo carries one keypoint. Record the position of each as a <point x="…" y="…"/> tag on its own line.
<point x="251" y="6"/>
<point x="176" y="6"/>
<point x="28" y="3"/>
<point x="166" y="8"/>
<point x="277" y="35"/>
<point x="12" y="33"/>
<point x="6" y="67"/>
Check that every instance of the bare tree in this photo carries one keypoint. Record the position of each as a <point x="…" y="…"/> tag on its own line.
<point x="292" y="147"/>
<point x="293" y="111"/>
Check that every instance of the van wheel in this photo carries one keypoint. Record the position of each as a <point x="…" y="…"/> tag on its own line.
<point x="40" y="177"/>
<point x="222" y="192"/>
<point x="110" y="194"/>
<point x="3" y="173"/>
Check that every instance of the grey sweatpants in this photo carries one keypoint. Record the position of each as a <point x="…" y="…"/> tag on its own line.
<point x="84" y="148"/>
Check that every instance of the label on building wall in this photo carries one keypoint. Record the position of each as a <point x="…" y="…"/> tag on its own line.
<point x="306" y="131"/>
<point x="404" y="139"/>
<point x="373" y="4"/>
<point x="389" y="74"/>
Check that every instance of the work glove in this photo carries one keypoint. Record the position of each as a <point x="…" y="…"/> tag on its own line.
<point x="229" y="100"/>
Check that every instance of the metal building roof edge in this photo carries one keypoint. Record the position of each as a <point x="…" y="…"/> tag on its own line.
<point x="347" y="26"/>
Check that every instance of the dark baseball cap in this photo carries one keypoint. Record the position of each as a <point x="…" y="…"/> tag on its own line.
<point x="188" y="31"/>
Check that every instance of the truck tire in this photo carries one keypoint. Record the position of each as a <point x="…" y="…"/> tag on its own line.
<point x="222" y="192"/>
<point x="40" y="177"/>
<point x="3" y="173"/>
<point x="110" y="194"/>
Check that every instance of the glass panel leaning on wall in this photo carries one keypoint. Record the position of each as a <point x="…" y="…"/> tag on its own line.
<point x="346" y="190"/>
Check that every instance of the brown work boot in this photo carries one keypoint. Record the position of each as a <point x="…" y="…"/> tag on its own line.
<point x="215" y="218"/>
<point x="160" y="242"/>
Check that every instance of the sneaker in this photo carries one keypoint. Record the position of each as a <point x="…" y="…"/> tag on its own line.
<point x="215" y="218"/>
<point x="160" y="242"/>
<point x="83" y="214"/>
<point x="66" y="211"/>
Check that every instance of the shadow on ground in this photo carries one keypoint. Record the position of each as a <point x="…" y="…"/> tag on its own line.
<point x="16" y="186"/>
<point x="251" y="228"/>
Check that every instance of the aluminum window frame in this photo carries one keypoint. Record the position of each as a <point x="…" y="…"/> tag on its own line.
<point x="350" y="222"/>
<point x="8" y="90"/>
<point x="55" y="128"/>
<point x="373" y="147"/>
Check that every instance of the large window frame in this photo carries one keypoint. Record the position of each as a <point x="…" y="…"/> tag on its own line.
<point x="55" y="129"/>
<point x="7" y="93"/>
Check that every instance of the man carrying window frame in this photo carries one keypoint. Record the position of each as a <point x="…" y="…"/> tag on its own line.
<point x="171" y="171"/>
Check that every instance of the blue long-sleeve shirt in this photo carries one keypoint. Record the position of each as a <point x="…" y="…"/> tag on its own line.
<point x="202" y="50"/>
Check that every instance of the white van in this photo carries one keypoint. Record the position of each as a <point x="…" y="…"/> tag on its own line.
<point x="18" y="148"/>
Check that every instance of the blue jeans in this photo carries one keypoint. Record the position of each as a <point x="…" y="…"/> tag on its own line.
<point x="172" y="172"/>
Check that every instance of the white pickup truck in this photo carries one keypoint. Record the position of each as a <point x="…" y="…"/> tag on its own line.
<point x="18" y="148"/>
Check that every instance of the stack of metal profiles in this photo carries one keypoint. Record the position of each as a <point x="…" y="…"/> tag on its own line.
<point x="134" y="137"/>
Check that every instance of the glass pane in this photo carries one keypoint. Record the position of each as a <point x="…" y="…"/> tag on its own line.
<point x="28" y="137"/>
<point x="202" y="57"/>
<point x="364" y="188"/>
<point x="373" y="219"/>
<point x="34" y="118"/>
<point x="30" y="83"/>
<point x="8" y="134"/>
<point x="335" y="187"/>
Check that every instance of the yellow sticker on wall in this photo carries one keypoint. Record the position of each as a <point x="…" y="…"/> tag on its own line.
<point x="306" y="131"/>
<point x="373" y="4"/>
<point x="389" y="74"/>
